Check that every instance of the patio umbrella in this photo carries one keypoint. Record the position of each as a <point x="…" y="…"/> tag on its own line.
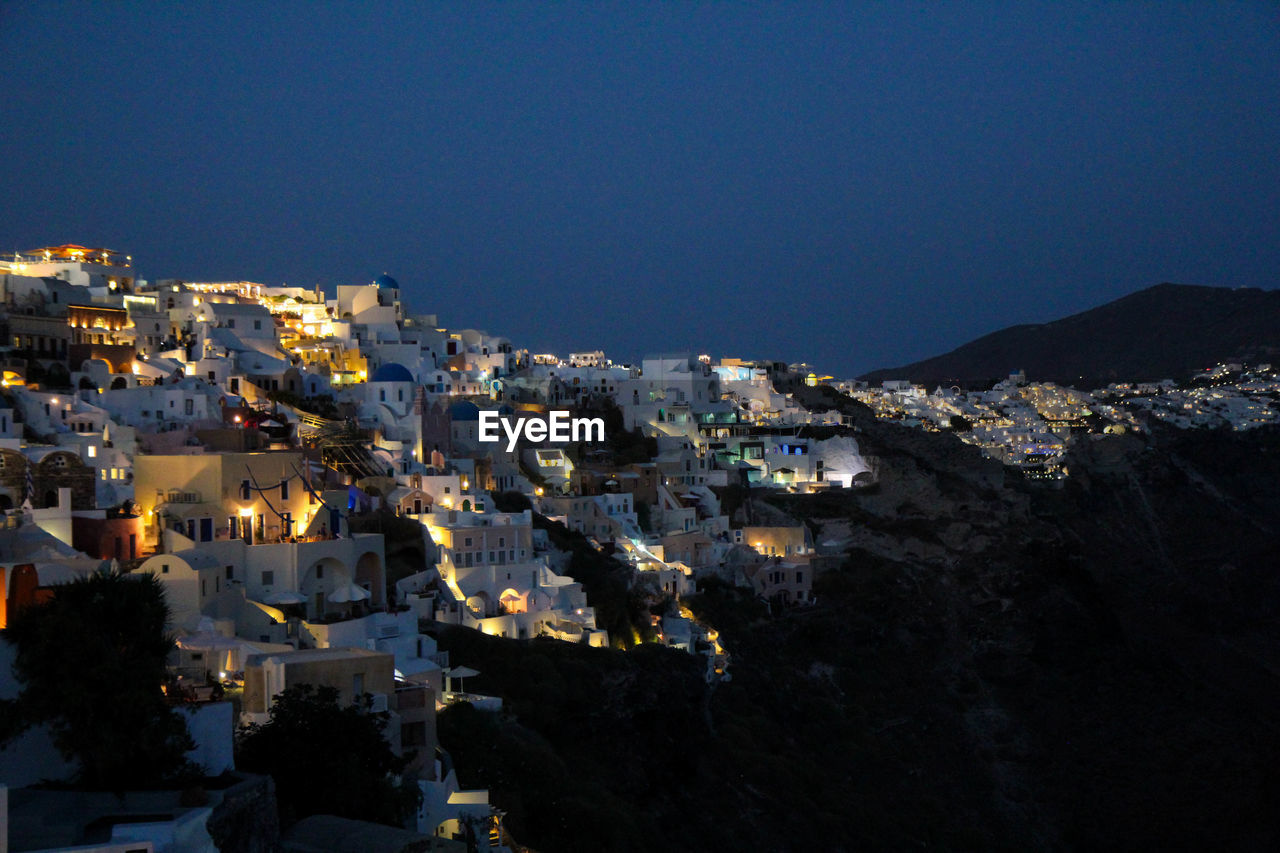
<point x="208" y="641"/>
<point x="460" y="672"/>
<point x="348" y="593"/>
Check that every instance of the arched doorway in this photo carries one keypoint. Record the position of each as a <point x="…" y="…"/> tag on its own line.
<point x="480" y="604"/>
<point x="324" y="575"/>
<point x="511" y="601"/>
<point x="369" y="575"/>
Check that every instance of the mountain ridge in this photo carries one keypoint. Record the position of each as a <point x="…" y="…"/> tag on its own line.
<point x="1163" y="331"/>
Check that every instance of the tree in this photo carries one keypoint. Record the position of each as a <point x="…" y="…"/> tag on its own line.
<point x="91" y="661"/>
<point x="327" y="759"/>
<point x="58" y="376"/>
<point x="510" y="501"/>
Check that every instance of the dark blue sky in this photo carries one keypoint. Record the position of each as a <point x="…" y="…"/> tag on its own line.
<point x="855" y="185"/>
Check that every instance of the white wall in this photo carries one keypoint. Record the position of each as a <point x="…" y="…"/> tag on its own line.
<point x="211" y="725"/>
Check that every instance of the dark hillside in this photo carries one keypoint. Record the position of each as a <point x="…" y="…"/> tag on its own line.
<point x="1166" y="331"/>
<point x="996" y="666"/>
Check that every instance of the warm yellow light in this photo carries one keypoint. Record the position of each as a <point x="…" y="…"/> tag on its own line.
<point x="246" y="512"/>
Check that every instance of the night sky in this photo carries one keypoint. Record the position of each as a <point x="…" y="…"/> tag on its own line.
<point x="852" y="185"/>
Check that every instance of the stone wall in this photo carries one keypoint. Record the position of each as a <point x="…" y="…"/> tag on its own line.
<point x="245" y="819"/>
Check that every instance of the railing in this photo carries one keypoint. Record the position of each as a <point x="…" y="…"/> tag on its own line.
<point x="480" y="702"/>
<point x="409" y="698"/>
<point x="313" y="420"/>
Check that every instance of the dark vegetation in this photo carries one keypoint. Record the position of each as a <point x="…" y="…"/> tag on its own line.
<point x="327" y="759"/>
<point x="594" y="747"/>
<point x="509" y="501"/>
<point x="91" y="662"/>
<point x="622" y="447"/>
<point x="1166" y="331"/>
<point x="54" y="376"/>
<point x="996" y="665"/>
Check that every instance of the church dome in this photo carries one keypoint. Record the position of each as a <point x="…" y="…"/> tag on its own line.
<point x="464" y="410"/>
<point x="392" y="372"/>
<point x="385" y="280"/>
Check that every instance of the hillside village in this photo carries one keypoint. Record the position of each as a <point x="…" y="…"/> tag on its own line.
<point x="250" y="446"/>
<point x="1029" y="425"/>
